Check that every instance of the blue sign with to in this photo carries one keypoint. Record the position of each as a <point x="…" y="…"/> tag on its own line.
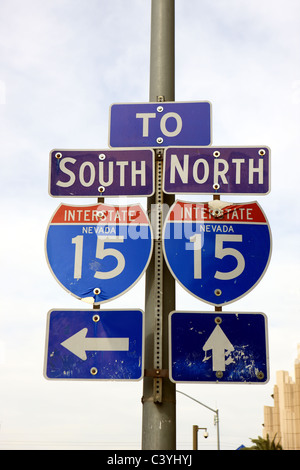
<point x="94" y="344"/>
<point x="160" y="124"/>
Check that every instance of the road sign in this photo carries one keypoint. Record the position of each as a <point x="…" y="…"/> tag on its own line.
<point x="217" y="170"/>
<point x="218" y="347"/>
<point x="218" y="251"/>
<point x="93" y="173"/>
<point x="98" y="252"/>
<point x="94" y="344"/>
<point x="160" y="124"/>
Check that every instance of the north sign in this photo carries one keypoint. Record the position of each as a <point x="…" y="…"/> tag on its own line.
<point x="94" y="344"/>
<point x="217" y="170"/>
<point x="93" y="173"/>
<point x="98" y="252"/>
<point x="218" y="347"/>
<point x="157" y="125"/>
<point x="217" y="251"/>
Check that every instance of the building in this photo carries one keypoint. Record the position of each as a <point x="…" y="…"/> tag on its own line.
<point x="283" y="419"/>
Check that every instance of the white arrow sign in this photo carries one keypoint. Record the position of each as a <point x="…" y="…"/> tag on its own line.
<point x="218" y="343"/>
<point x="78" y="344"/>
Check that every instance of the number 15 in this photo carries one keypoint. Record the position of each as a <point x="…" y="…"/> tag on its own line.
<point x="101" y="253"/>
<point x="220" y="253"/>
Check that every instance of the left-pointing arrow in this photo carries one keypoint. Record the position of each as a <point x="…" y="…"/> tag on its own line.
<point x="78" y="344"/>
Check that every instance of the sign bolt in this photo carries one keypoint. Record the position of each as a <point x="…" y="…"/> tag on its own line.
<point x="217" y="213"/>
<point x="159" y="140"/>
<point x="94" y="371"/>
<point x="101" y="215"/>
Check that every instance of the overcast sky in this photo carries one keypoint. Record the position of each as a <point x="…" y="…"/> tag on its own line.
<point x="62" y="64"/>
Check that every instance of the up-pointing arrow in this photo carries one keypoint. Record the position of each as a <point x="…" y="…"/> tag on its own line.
<point x="219" y="343"/>
<point x="78" y="344"/>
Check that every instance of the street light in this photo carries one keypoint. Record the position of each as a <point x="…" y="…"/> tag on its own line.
<point x="216" y="417"/>
<point x="195" y="436"/>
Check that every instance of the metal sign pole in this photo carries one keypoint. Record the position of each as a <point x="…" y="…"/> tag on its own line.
<point x="159" y="402"/>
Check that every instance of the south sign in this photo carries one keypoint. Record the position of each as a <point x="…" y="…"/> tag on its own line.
<point x="217" y="253"/>
<point x="98" y="252"/>
<point x="109" y="173"/>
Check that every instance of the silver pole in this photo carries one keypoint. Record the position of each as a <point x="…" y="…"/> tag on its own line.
<point x="162" y="54"/>
<point x="159" y="393"/>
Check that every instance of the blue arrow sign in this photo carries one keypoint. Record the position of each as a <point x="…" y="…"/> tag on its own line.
<point x="218" y="347"/>
<point x="98" y="252"/>
<point x="94" y="344"/>
<point x="160" y="124"/>
<point x="217" y="251"/>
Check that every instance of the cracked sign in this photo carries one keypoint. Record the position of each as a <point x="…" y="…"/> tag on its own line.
<point x="218" y="347"/>
<point x="218" y="251"/>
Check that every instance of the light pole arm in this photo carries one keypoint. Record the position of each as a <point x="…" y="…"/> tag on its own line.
<point x="211" y="409"/>
<point x="215" y="411"/>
